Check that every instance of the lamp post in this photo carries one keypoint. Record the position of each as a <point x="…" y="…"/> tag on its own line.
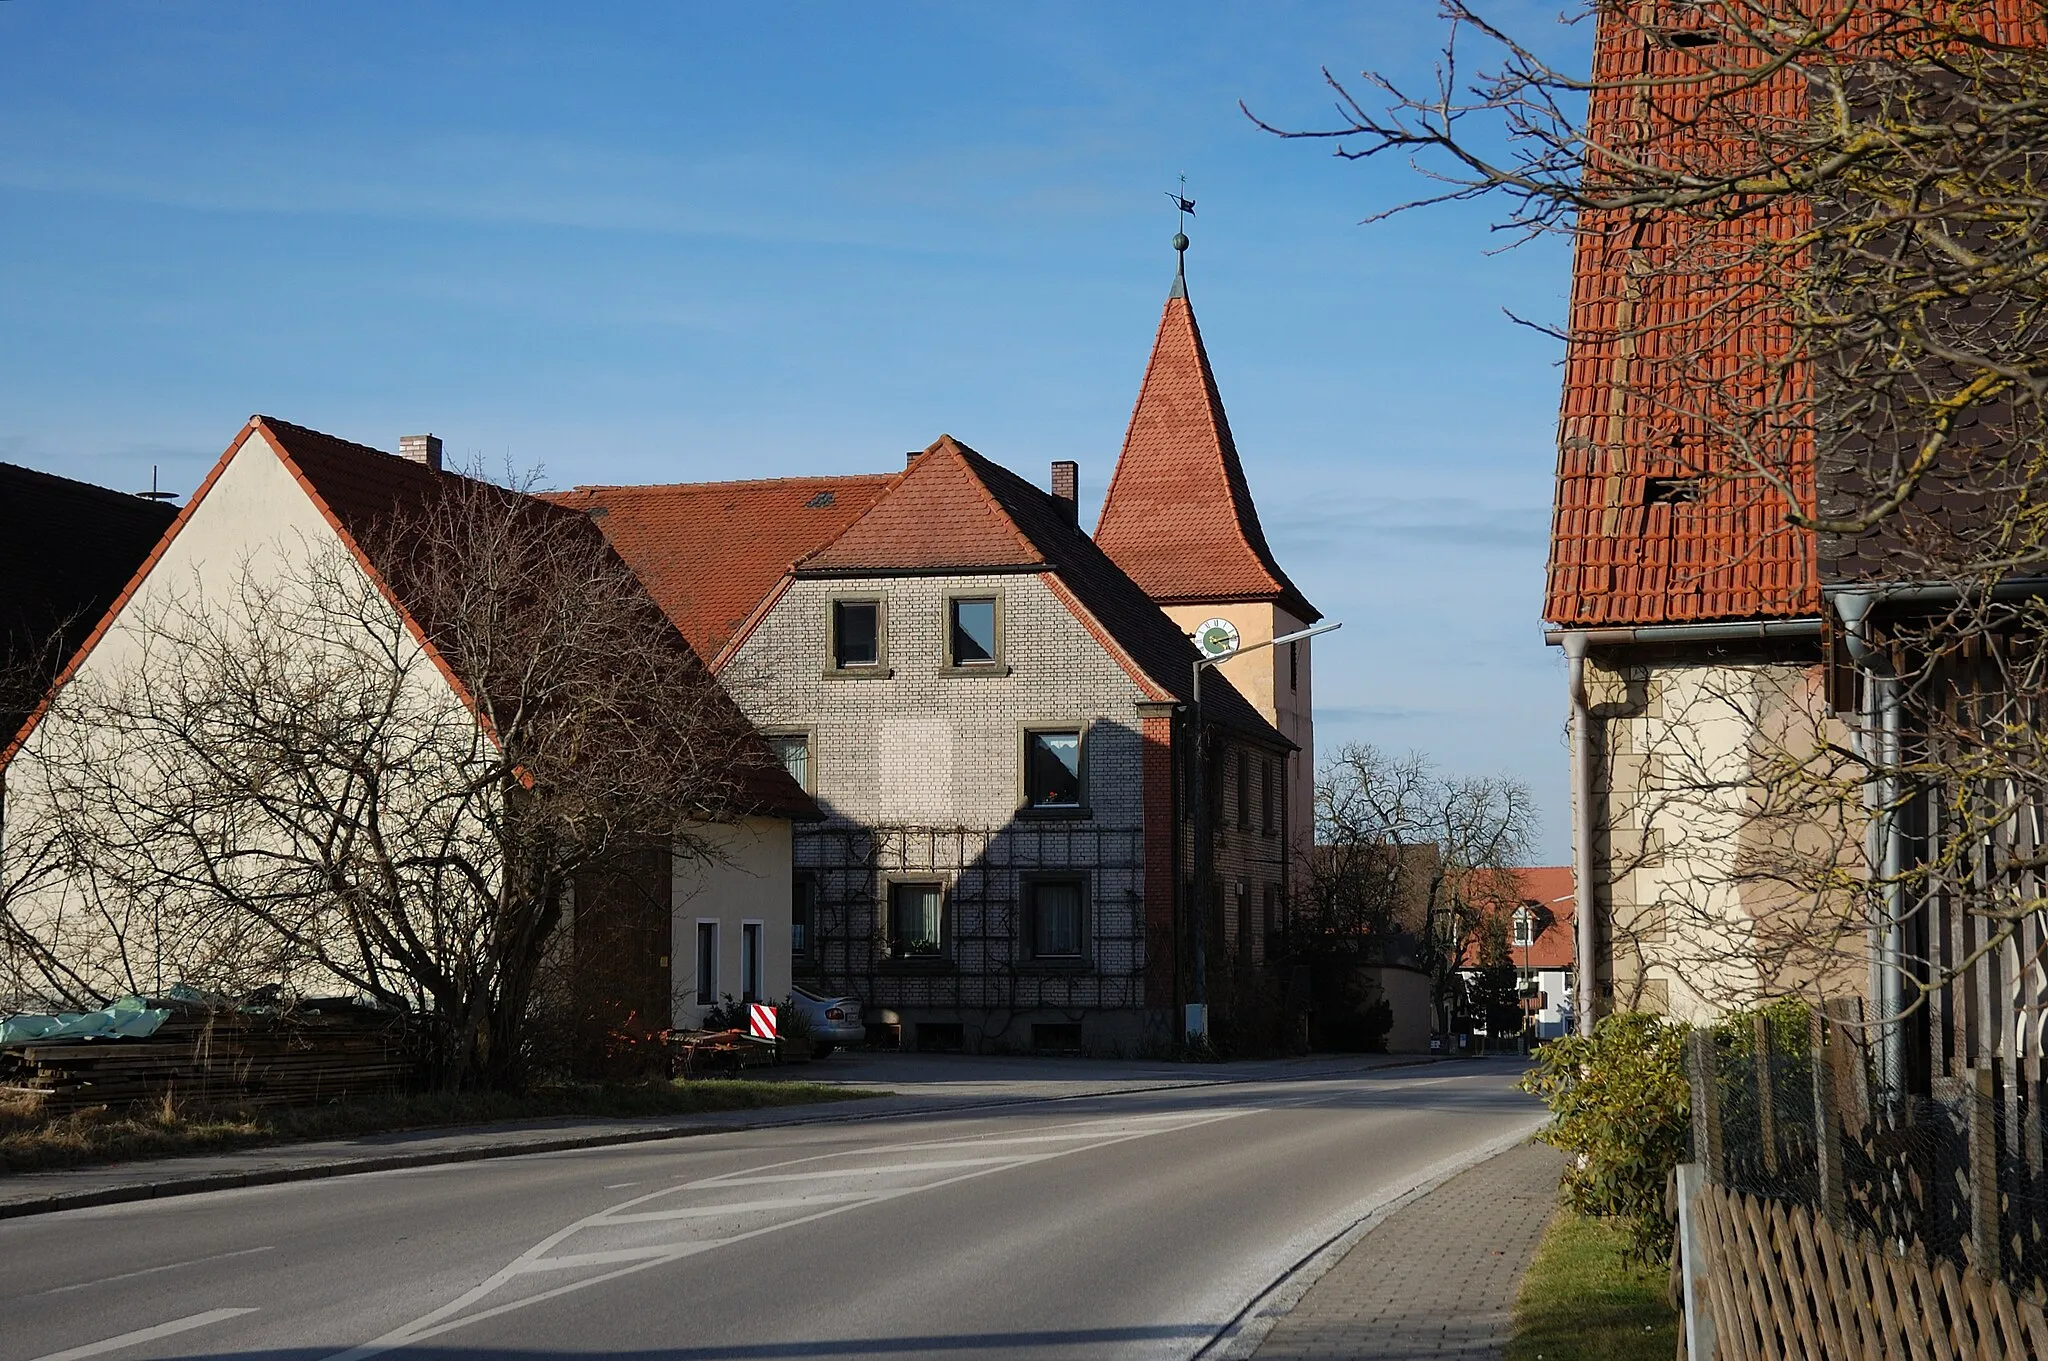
<point x="1216" y="640"/>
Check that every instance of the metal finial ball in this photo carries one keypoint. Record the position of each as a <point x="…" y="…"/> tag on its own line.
<point x="1180" y="240"/>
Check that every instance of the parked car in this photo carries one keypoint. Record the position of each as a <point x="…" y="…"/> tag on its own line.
<point x="834" y="1020"/>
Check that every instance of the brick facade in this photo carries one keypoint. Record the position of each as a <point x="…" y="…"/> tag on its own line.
<point x="918" y="769"/>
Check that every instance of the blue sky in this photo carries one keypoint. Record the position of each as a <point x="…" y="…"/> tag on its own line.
<point x="678" y="241"/>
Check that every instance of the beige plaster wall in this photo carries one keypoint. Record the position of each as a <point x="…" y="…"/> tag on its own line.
<point x="256" y="523"/>
<point x="741" y="873"/>
<point x="1722" y="820"/>
<point x="1263" y="677"/>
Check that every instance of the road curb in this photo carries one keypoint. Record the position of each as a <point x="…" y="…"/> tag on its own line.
<point x="201" y="1183"/>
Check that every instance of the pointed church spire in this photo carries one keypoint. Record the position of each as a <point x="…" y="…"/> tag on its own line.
<point x="1179" y="517"/>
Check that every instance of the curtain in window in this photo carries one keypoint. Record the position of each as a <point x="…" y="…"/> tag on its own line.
<point x="914" y="919"/>
<point x="1056" y="920"/>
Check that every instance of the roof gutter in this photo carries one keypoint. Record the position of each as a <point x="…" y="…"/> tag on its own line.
<point x="1729" y="631"/>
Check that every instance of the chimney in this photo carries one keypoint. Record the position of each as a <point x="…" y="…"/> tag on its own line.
<point x="911" y="457"/>
<point x="421" y="449"/>
<point x="1066" y="486"/>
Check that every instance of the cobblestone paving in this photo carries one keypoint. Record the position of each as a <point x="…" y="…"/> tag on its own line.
<point x="1438" y="1278"/>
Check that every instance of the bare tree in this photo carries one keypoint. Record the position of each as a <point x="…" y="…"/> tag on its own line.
<point x="1408" y="857"/>
<point x="1815" y="288"/>
<point x="296" y="781"/>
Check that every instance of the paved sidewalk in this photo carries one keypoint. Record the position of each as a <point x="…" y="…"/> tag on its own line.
<point x="911" y="1084"/>
<point x="1437" y="1278"/>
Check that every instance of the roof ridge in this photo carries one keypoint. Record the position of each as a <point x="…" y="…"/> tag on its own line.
<point x="750" y="482"/>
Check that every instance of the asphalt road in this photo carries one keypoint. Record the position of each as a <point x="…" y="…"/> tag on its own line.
<point x="1125" y="1226"/>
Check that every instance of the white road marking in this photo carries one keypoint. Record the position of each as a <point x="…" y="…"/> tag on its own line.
<point x="152" y="1270"/>
<point x="893" y="1170"/>
<point x="738" y="1207"/>
<point x="620" y="1185"/>
<point x="1108" y="1132"/>
<point x="142" y="1335"/>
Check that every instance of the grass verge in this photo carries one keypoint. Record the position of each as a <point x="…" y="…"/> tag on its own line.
<point x="29" y="1141"/>
<point x="1584" y="1300"/>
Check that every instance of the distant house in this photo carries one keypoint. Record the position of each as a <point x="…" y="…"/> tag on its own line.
<point x="1539" y="934"/>
<point x="985" y="708"/>
<point x="993" y="711"/>
<point x="66" y="551"/>
<point x="282" y="497"/>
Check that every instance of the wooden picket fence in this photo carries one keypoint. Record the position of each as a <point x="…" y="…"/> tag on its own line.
<point x="1786" y="1286"/>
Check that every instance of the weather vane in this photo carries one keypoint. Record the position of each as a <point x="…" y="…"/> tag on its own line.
<point x="1186" y="207"/>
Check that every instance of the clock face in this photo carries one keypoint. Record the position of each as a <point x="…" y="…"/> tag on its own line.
<point x="1216" y="638"/>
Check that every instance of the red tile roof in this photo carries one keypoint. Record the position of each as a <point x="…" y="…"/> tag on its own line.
<point x="1664" y="375"/>
<point x="362" y="487"/>
<point x="711" y="552"/>
<point x="954" y="511"/>
<point x="1179" y="517"/>
<point x="359" y="488"/>
<point x="939" y="516"/>
<point x="1548" y="891"/>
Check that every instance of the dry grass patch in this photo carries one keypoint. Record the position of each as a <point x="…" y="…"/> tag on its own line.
<point x="30" y="1141"/>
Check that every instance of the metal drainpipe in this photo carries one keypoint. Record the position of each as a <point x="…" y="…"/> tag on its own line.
<point x="1892" y="955"/>
<point x="1877" y="742"/>
<point x="1586" y="966"/>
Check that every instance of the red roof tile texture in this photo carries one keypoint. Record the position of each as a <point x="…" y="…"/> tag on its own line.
<point x="711" y="552"/>
<point x="1669" y="430"/>
<point x="364" y="489"/>
<point x="1548" y="891"/>
<point x="938" y="517"/>
<point x="1179" y="517"/>
<point x="954" y="511"/>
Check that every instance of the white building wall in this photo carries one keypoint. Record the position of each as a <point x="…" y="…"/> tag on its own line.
<point x="743" y="873"/>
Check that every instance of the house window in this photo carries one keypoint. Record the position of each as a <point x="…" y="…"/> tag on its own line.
<point x="751" y="986"/>
<point x="1525" y="927"/>
<point x="707" y="963"/>
<point x="1244" y="789"/>
<point x="1266" y="796"/>
<point x="1055" y="919"/>
<point x="971" y="630"/>
<point x="916" y="930"/>
<point x="794" y="751"/>
<point x="1274" y="926"/>
<point x="803" y="916"/>
<point x="1052" y="769"/>
<point x="856" y="634"/>
<point x="1294" y="666"/>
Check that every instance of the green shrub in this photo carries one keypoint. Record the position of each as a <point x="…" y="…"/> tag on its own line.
<point x="1621" y="1106"/>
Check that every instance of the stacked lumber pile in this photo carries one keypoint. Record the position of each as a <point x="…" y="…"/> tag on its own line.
<point x="219" y="1056"/>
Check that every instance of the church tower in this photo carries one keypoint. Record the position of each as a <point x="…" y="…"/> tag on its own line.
<point x="1179" y="520"/>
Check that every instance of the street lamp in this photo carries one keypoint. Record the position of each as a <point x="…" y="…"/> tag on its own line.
<point x="1216" y="640"/>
